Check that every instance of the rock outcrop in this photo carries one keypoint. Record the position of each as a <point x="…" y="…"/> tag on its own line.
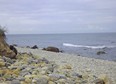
<point x="4" y="47"/>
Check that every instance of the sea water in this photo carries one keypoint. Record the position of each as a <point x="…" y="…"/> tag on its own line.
<point x="83" y="44"/>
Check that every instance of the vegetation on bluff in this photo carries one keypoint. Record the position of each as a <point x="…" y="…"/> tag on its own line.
<point x="2" y="32"/>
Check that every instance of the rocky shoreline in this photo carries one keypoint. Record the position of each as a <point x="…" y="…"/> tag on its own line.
<point x="40" y="67"/>
<point x="29" y="69"/>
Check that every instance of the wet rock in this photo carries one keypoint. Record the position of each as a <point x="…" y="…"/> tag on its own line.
<point x="101" y="52"/>
<point x="52" y="49"/>
<point x="34" y="47"/>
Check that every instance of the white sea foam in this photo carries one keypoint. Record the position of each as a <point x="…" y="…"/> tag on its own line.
<point x="84" y="46"/>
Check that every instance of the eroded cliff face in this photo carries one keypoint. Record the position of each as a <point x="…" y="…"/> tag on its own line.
<point x="5" y="49"/>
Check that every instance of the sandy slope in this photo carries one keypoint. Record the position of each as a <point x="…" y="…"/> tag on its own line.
<point x="79" y="63"/>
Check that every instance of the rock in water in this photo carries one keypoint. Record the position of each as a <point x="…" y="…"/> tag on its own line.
<point x="101" y="52"/>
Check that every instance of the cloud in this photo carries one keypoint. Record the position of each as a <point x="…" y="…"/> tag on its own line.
<point x="60" y="16"/>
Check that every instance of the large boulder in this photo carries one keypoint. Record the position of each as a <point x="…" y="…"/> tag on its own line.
<point x="53" y="49"/>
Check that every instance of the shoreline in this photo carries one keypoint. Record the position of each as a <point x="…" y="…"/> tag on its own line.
<point x="78" y="63"/>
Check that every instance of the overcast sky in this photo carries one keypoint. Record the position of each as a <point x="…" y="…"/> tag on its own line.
<point x="58" y="16"/>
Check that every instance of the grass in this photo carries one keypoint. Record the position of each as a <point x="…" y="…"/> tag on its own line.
<point x="2" y="32"/>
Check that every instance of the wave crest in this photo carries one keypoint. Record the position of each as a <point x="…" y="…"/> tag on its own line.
<point x="83" y="46"/>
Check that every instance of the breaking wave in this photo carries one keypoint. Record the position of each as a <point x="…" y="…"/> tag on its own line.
<point x="84" y="46"/>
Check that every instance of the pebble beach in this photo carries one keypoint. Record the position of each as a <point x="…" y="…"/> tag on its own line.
<point x="35" y="66"/>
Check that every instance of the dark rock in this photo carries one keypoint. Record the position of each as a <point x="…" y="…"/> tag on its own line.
<point x="101" y="52"/>
<point x="15" y="82"/>
<point x="53" y="49"/>
<point x="34" y="47"/>
<point x="13" y="49"/>
<point x="99" y="81"/>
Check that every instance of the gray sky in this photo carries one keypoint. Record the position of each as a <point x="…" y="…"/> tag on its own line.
<point x="58" y="16"/>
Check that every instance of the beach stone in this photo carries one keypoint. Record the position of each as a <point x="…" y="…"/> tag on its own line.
<point x="71" y="82"/>
<point x="8" y="60"/>
<point x="28" y="80"/>
<point x="55" y="77"/>
<point x="9" y="79"/>
<point x="34" y="81"/>
<point x="12" y="67"/>
<point x="43" y="72"/>
<point x="35" y="61"/>
<point x="62" y="81"/>
<point x="30" y="60"/>
<point x="21" y="78"/>
<point x="51" y="82"/>
<point x="76" y="75"/>
<point x="2" y="64"/>
<point x="99" y="81"/>
<point x="50" y="68"/>
<point x="24" y="73"/>
<point x="67" y="66"/>
<point x="15" y="82"/>
<point x="45" y="60"/>
<point x="35" y="72"/>
<point x="23" y="67"/>
<point x="1" y="60"/>
<point x="41" y="81"/>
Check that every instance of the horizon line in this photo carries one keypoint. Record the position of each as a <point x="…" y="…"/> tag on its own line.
<point x="61" y="33"/>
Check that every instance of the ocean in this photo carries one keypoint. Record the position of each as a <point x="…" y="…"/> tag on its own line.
<point x="83" y="44"/>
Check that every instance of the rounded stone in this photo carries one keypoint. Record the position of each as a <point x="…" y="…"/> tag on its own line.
<point x="15" y="82"/>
